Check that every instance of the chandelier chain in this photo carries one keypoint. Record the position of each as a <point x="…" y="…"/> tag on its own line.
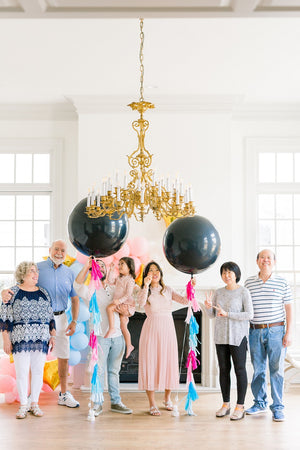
<point x="141" y="60"/>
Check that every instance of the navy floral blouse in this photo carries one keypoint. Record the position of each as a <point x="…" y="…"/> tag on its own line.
<point x="28" y="317"/>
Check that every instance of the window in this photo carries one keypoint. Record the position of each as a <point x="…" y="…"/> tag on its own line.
<point x="274" y="208"/>
<point x="26" y="203"/>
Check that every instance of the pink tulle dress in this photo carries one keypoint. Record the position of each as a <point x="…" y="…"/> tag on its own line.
<point x="158" y="350"/>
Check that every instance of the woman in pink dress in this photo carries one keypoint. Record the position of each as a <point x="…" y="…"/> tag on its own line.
<point x="158" y="352"/>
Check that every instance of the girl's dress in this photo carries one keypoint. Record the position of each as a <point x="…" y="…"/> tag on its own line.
<point x="158" y="350"/>
<point x="123" y="291"/>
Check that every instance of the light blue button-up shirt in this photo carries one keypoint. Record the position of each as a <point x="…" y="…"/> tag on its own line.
<point x="58" y="282"/>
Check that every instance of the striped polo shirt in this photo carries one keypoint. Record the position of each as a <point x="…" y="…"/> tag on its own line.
<point x="269" y="298"/>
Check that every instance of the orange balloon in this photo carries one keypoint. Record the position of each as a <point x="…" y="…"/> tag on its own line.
<point x="51" y="374"/>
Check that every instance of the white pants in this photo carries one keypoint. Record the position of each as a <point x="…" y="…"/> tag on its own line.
<point x="35" y="361"/>
<point x="62" y="343"/>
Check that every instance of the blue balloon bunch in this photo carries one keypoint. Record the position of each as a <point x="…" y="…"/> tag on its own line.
<point x="79" y="340"/>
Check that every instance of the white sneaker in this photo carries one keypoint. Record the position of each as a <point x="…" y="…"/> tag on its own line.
<point x="67" y="399"/>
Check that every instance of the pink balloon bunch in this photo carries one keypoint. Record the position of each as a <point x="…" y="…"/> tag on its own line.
<point x="137" y="248"/>
<point x="8" y="385"/>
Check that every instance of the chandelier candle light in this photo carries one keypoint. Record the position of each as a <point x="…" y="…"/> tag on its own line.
<point x="145" y="191"/>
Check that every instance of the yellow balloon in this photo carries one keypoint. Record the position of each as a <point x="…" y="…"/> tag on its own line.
<point x="88" y="279"/>
<point x="168" y="220"/>
<point x="139" y="278"/>
<point x="51" y="374"/>
<point x="67" y="262"/>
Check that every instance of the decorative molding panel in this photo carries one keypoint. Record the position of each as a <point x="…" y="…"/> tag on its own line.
<point x="147" y="8"/>
<point x="38" y="111"/>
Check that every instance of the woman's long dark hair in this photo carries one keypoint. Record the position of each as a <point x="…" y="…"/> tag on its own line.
<point x="130" y="264"/>
<point x="146" y="271"/>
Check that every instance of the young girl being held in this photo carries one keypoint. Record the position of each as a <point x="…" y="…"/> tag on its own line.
<point x="123" y="302"/>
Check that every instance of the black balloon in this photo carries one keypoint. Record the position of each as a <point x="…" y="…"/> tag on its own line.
<point x="191" y="244"/>
<point x="98" y="237"/>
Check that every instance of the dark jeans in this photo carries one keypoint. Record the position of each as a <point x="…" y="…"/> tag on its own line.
<point x="238" y="355"/>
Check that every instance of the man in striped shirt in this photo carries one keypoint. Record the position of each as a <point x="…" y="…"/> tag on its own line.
<point x="270" y="334"/>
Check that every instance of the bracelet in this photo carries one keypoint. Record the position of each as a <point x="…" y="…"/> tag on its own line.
<point x="75" y="321"/>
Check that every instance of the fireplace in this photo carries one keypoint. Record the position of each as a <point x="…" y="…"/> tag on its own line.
<point x="129" y="367"/>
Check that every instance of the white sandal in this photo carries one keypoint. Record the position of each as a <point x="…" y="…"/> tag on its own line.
<point x="22" y="413"/>
<point x="154" y="411"/>
<point x="168" y="405"/>
<point x="36" y="411"/>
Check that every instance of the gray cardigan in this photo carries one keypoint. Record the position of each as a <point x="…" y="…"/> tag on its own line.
<point x="232" y="329"/>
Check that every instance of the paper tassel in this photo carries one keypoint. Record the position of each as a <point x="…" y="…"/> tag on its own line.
<point x="189" y="314"/>
<point x="193" y="341"/>
<point x="96" y="316"/>
<point x="96" y="276"/>
<point x="193" y="392"/>
<point x="93" y="343"/>
<point x="189" y="375"/>
<point x="96" y="389"/>
<point x="191" y="397"/>
<point x="194" y="327"/>
<point x="191" y="359"/>
<point x="190" y="292"/>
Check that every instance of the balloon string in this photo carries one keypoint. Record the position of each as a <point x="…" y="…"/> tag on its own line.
<point x="181" y="357"/>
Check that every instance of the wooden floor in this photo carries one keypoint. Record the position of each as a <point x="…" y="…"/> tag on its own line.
<point x="65" y="428"/>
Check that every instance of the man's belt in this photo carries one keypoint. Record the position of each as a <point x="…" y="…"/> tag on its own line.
<point x="58" y="313"/>
<point x="264" y="325"/>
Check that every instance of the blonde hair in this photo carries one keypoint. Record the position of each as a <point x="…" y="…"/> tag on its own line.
<point x="22" y="270"/>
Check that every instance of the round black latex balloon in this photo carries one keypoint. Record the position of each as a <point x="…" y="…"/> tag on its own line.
<point x="191" y="244"/>
<point x="98" y="237"/>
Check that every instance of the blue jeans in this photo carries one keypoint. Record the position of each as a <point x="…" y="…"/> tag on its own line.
<point x="267" y="343"/>
<point x="110" y="358"/>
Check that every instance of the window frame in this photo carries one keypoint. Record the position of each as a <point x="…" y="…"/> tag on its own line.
<point x="54" y="148"/>
<point x="253" y="147"/>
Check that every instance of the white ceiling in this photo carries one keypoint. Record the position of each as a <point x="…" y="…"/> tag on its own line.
<point x="53" y="49"/>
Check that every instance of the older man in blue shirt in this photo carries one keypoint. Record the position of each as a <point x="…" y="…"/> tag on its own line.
<point x="58" y="280"/>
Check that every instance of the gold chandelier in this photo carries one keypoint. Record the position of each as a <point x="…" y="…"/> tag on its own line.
<point x="144" y="192"/>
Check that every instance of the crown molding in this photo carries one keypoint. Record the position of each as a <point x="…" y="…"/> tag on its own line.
<point x="74" y="106"/>
<point x="267" y="111"/>
<point x="104" y="104"/>
<point x="38" y="111"/>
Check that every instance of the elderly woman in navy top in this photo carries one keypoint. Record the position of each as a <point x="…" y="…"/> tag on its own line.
<point x="232" y="308"/>
<point x="28" y="328"/>
<point x="58" y="280"/>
